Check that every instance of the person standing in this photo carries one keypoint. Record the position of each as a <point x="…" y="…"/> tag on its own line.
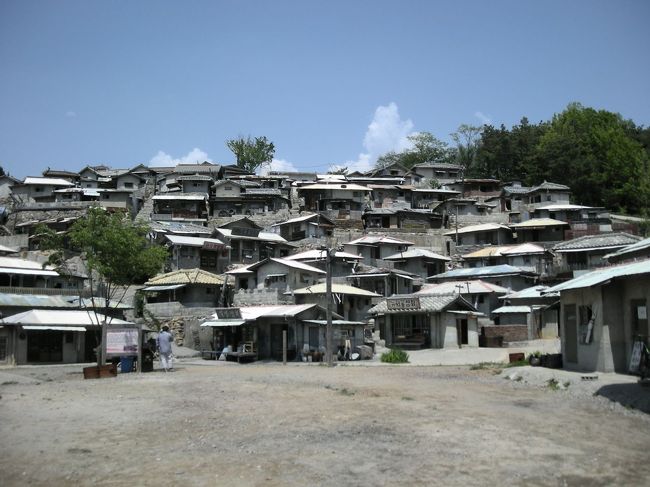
<point x="165" y="340"/>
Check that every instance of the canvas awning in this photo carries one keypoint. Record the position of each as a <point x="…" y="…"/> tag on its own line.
<point x="54" y="328"/>
<point x="222" y="323"/>
<point x="168" y="287"/>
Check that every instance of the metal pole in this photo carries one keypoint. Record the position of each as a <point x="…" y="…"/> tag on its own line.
<point x="328" y="297"/>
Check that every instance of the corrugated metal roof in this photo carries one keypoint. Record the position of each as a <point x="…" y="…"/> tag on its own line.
<point x="477" y="272"/>
<point x="640" y="245"/>
<point x="511" y="309"/>
<point x="375" y="239"/>
<point x="296" y="264"/>
<point x="539" y="223"/>
<point x="601" y="276"/>
<point x="594" y="242"/>
<point x="475" y="286"/>
<point x="322" y="255"/>
<point x="484" y="227"/>
<point x="60" y="317"/>
<point x="185" y="276"/>
<point x="175" y="196"/>
<point x="35" y="301"/>
<point x="250" y="313"/>
<point x="531" y="292"/>
<point x="192" y="241"/>
<point x="337" y="289"/>
<point x="416" y="253"/>
<point x="263" y="236"/>
<point x="338" y="187"/>
<point x="47" y="181"/>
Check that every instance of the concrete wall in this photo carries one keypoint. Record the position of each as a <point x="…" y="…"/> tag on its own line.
<point x="295" y="278"/>
<point x="197" y="186"/>
<point x="222" y="192"/>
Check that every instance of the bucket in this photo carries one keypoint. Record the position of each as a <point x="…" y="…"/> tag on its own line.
<point x="126" y="364"/>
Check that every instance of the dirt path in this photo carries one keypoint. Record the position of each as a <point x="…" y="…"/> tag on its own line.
<point x="308" y="425"/>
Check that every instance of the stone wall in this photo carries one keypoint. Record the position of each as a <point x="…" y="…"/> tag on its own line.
<point x="260" y="297"/>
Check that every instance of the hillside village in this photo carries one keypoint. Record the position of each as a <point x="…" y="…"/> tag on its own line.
<point x="419" y="258"/>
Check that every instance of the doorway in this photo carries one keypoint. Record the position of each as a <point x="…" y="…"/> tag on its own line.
<point x="45" y="346"/>
<point x="571" y="334"/>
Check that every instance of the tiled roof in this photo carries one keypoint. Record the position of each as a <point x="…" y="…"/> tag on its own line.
<point x="428" y="303"/>
<point x="601" y="241"/>
<point x="186" y="276"/>
<point x="635" y="247"/>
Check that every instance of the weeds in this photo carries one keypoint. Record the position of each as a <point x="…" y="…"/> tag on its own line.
<point x="553" y="384"/>
<point x="395" y="356"/>
<point x="9" y="383"/>
<point x="407" y="398"/>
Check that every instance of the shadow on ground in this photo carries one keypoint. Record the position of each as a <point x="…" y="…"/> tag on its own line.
<point x="634" y="396"/>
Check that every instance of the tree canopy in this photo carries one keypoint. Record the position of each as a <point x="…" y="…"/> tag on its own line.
<point x="425" y="148"/>
<point x="251" y="153"/>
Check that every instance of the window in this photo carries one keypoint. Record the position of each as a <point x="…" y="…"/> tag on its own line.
<point x="38" y="189"/>
<point x="227" y="188"/>
<point x="128" y="185"/>
<point x="3" y="349"/>
<point x="356" y="194"/>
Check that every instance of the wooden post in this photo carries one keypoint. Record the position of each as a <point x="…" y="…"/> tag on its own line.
<point x="139" y="366"/>
<point x="284" y="347"/>
<point x="328" y="297"/>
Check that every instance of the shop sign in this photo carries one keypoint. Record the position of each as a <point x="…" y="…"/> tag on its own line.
<point x="403" y="304"/>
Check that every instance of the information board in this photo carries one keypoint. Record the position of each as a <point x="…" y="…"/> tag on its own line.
<point x="122" y="341"/>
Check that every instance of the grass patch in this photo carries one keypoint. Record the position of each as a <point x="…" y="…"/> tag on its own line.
<point x="485" y="365"/>
<point x="407" y="398"/>
<point x="553" y="384"/>
<point x="347" y="392"/>
<point x="9" y="383"/>
<point x="395" y="356"/>
<point x="518" y="363"/>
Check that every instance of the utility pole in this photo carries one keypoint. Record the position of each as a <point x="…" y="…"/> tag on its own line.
<point x="328" y="297"/>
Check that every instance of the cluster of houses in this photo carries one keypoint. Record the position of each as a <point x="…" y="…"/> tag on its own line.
<point x="422" y="257"/>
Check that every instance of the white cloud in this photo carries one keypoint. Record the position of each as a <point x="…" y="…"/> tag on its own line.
<point x="277" y="165"/>
<point x="387" y="132"/>
<point x="483" y="118"/>
<point x="194" y="156"/>
<point x="70" y="114"/>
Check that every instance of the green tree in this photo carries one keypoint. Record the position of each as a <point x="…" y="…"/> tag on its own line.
<point x="467" y="139"/>
<point x="115" y="250"/>
<point x="425" y="148"/>
<point x="591" y="151"/>
<point x="507" y="154"/>
<point x="251" y="153"/>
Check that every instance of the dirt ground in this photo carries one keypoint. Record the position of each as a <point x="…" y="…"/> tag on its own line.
<point x="308" y="425"/>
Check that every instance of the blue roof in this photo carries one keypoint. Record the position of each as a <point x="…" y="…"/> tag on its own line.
<point x="478" y="272"/>
<point x="604" y="275"/>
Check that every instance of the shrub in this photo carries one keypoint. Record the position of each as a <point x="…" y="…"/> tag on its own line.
<point x="395" y="356"/>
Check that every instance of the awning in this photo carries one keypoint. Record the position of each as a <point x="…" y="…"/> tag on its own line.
<point x="275" y="275"/>
<point x="169" y="287"/>
<point x="221" y="323"/>
<point x="54" y="328"/>
<point x="30" y="272"/>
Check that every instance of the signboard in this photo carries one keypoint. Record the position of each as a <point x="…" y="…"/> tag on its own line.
<point x="635" y="360"/>
<point x="403" y="304"/>
<point x="228" y="313"/>
<point x="122" y="341"/>
<point x="212" y="246"/>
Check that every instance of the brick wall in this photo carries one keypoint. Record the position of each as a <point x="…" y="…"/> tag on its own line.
<point x="510" y="333"/>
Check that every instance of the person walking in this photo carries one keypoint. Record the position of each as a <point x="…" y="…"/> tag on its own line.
<point x="164" y="342"/>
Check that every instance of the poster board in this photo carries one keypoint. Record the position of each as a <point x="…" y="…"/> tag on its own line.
<point x="122" y="342"/>
<point x="635" y="359"/>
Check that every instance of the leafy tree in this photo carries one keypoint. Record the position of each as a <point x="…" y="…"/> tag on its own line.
<point x="116" y="252"/>
<point x="467" y="139"/>
<point x="251" y="153"/>
<point x="591" y="151"/>
<point x="425" y="148"/>
<point x="507" y="154"/>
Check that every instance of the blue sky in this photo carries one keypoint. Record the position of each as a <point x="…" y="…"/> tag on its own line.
<point x="329" y="82"/>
